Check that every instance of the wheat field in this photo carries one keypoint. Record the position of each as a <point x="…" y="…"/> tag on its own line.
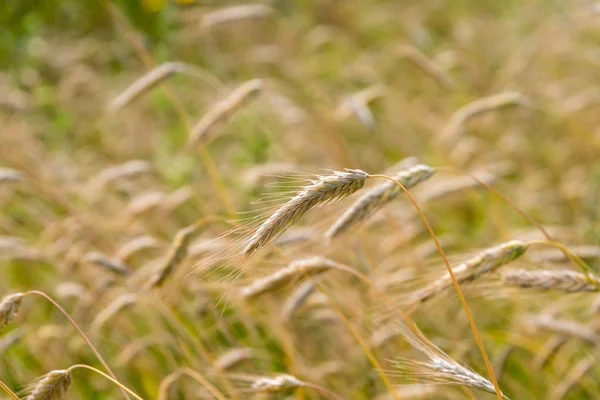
<point x="299" y="199"/>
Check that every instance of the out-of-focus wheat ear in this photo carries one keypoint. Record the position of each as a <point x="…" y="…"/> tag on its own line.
<point x="232" y="358"/>
<point x="550" y="348"/>
<point x="150" y="80"/>
<point x="563" y="281"/>
<point x="485" y="262"/>
<point x="428" y="66"/>
<point x="10" y="339"/>
<point x="486" y="104"/>
<point x="563" y="327"/>
<point x="589" y="253"/>
<point x="296" y="300"/>
<point x="112" y="265"/>
<point x="9" y="307"/>
<point x="120" y="303"/>
<point x="573" y="377"/>
<point x="177" y="253"/>
<point x="502" y="358"/>
<point x="114" y="173"/>
<point x="52" y="386"/>
<point x="378" y="197"/>
<point x="276" y="384"/>
<point x="9" y="175"/>
<point x="296" y="269"/>
<point x="324" y="189"/>
<point x="411" y="392"/>
<point x="222" y="110"/>
<point x="235" y="13"/>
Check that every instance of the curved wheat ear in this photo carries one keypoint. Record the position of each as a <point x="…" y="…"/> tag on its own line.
<point x="223" y="110"/>
<point x="308" y="266"/>
<point x="150" y="80"/>
<point x="9" y="307"/>
<point x="564" y="281"/>
<point x="232" y="358"/>
<point x="477" y="107"/>
<point x="110" y="264"/>
<point x="277" y="383"/>
<point x="378" y="197"/>
<point x="325" y="189"/>
<point x="296" y="299"/>
<point x="485" y="262"/>
<point x="52" y="386"/>
<point x="177" y="253"/>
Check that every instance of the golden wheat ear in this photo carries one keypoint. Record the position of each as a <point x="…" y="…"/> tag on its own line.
<point x="52" y="386"/>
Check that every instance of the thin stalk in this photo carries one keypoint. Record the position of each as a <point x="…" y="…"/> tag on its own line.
<point x="119" y="384"/>
<point x="8" y="391"/>
<point x="459" y="292"/>
<point x="80" y="331"/>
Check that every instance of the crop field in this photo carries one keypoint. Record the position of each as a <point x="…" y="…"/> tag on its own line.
<point x="299" y="199"/>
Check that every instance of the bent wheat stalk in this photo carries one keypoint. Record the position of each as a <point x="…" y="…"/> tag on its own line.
<point x="324" y="189"/>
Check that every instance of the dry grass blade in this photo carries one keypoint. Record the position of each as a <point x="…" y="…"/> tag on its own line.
<point x="9" y="307"/>
<point x="235" y="13"/>
<point x="325" y="189"/>
<point x="177" y="253"/>
<point x="563" y="281"/>
<point x="480" y="106"/>
<point x="224" y="109"/>
<point x="377" y="198"/>
<point x="485" y="262"/>
<point x="309" y="266"/>
<point x="52" y="386"/>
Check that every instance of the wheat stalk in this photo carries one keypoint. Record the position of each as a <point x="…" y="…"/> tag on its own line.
<point x="324" y="189"/>
<point x="565" y="281"/>
<point x="483" y="263"/>
<point x="377" y="198"/>
<point x="304" y="267"/>
<point x="9" y="307"/>
<point x="52" y="386"/>
<point x="223" y="110"/>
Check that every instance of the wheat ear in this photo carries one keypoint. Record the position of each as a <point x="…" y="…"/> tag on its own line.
<point x="235" y="13"/>
<point x="324" y="189"/>
<point x="564" y="281"/>
<point x="429" y="67"/>
<point x="483" y="263"/>
<point x="296" y="269"/>
<point x="223" y="110"/>
<point x="377" y="198"/>
<point x="9" y="307"/>
<point x="52" y="386"/>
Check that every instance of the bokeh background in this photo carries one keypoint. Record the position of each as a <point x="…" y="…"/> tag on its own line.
<point x="93" y="192"/>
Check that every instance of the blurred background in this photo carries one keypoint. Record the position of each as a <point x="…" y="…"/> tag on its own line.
<point x="124" y="122"/>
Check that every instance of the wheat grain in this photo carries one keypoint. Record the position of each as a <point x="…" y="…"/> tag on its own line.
<point x="565" y="281"/>
<point x="52" y="386"/>
<point x="485" y="262"/>
<point x="324" y="189"/>
<point x="224" y="109"/>
<point x="308" y="266"/>
<point x="377" y="198"/>
<point x="9" y="307"/>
